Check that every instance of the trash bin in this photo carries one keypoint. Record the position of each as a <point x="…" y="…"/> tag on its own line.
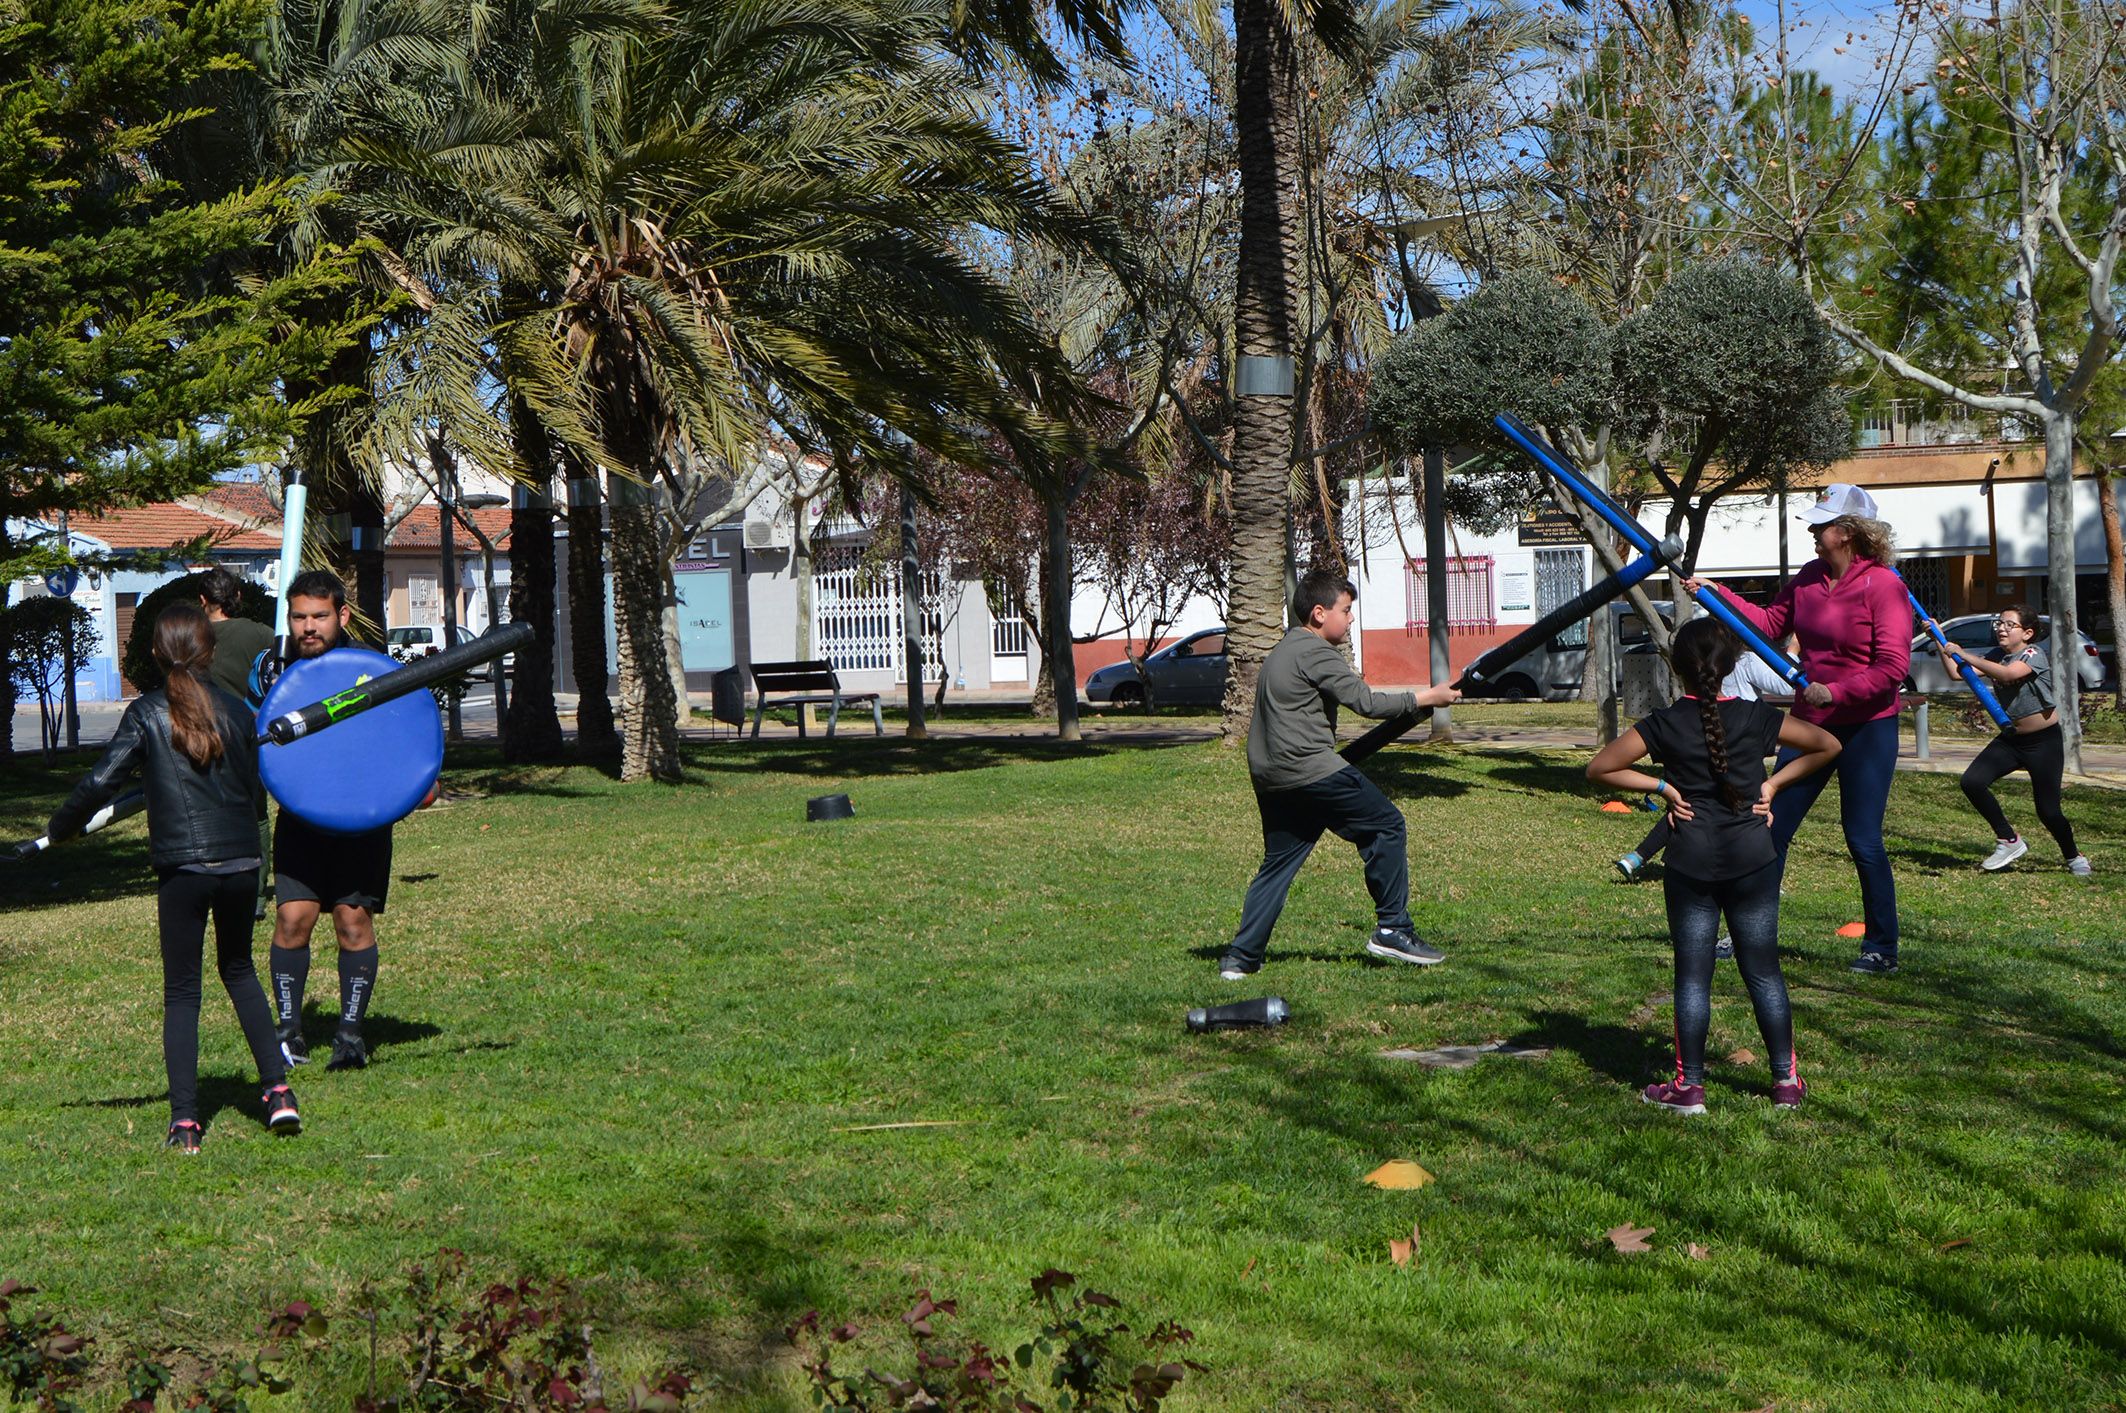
<point x="727" y="696"/>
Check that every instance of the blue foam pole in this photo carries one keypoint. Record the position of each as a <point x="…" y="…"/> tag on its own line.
<point x="1971" y="675"/>
<point x="1635" y="534"/>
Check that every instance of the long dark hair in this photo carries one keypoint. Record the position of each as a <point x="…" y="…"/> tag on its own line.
<point x="184" y="646"/>
<point x="1704" y="652"/>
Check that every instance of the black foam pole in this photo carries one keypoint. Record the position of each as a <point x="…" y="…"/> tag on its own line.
<point x="1591" y="601"/>
<point x="124" y="807"/>
<point x="340" y="706"/>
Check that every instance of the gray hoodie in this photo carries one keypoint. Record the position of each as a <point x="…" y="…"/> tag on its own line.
<point x="1304" y="680"/>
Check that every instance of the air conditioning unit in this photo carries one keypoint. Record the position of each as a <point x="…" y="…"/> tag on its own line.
<point x="767" y="535"/>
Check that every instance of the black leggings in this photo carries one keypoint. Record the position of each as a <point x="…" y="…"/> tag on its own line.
<point x="1656" y="839"/>
<point x="182" y="905"/>
<point x="2044" y="755"/>
<point x="1751" y="904"/>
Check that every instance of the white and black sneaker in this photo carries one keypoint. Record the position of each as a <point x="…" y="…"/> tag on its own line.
<point x="2079" y="866"/>
<point x="2006" y="852"/>
<point x="1393" y="944"/>
<point x="1234" y="967"/>
<point x="294" y="1049"/>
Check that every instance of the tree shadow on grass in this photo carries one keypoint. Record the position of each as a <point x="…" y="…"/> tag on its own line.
<point x="1344" y="1103"/>
<point x="862" y="758"/>
<point x="96" y="869"/>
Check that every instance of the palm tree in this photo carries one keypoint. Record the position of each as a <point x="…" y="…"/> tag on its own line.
<point x="755" y="221"/>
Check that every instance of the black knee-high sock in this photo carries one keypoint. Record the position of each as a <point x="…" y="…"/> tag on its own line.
<point x="357" y="980"/>
<point x="291" y="973"/>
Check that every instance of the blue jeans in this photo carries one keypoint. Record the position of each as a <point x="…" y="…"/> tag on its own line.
<point x="1293" y="821"/>
<point x="1751" y="904"/>
<point x="1864" y="769"/>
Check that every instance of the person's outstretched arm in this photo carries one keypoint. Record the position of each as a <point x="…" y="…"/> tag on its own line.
<point x="120" y="759"/>
<point x="1326" y="668"/>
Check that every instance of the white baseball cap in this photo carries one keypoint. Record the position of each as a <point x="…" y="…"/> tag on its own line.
<point x="1837" y="500"/>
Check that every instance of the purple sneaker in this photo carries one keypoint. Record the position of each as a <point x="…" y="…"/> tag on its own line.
<point x="1788" y="1093"/>
<point x="1676" y="1096"/>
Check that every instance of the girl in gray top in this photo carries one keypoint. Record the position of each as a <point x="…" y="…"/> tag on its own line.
<point x="2031" y="741"/>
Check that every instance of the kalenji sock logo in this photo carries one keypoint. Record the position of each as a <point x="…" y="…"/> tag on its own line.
<point x="355" y="990"/>
<point x="285" y="985"/>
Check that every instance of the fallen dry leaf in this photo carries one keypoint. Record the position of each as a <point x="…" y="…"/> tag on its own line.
<point x="1247" y="1268"/>
<point x="1742" y="1057"/>
<point x="1952" y="1245"/>
<point x="1628" y="1238"/>
<point x="1398" y="1173"/>
<point x="1400" y="1252"/>
<point x="1697" y="1252"/>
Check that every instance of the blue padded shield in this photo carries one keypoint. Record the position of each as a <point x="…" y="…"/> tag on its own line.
<point x="371" y="770"/>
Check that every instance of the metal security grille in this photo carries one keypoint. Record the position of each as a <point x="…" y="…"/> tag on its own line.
<point x="1560" y="574"/>
<point x="1470" y="600"/>
<point x="1929" y="581"/>
<point x="1007" y="632"/>
<point x="857" y="616"/>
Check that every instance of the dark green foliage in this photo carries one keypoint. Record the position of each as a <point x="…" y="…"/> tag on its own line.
<point x="39" y="628"/>
<point x="1521" y="344"/>
<point x="1081" y="1357"/>
<point x="138" y="662"/>
<point x="1731" y="343"/>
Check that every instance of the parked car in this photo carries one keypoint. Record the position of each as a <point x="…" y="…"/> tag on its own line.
<point x="1554" y="671"/>
<point x="485" y="672"/>
<point x="1188" y="673"/>
<point x="1973" y="632"/>
<point x="407" y="644"/>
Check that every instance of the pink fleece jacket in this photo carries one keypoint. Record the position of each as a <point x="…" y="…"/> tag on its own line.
<point x="1855" y="635"/>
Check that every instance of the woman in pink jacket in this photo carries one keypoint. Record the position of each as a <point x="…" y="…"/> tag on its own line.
<point x="1849" y="611"/>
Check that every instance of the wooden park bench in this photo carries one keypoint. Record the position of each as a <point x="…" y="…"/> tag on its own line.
<point x="802" y="684"/>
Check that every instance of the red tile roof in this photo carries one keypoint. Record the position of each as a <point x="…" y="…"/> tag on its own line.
<point x="244" y="501"/>
<point x="164" y="525"/>
<point x="422" y="529"/>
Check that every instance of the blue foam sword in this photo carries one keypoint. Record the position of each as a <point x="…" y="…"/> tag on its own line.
<point x="1573" y="479"/>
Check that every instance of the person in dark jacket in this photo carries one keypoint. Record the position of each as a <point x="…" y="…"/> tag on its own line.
<point x="1304" y="788"/>
<point x="193" y="746"/>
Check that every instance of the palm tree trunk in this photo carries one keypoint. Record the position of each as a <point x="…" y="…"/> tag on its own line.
<point x="649" y="725"/>
<point x="1265" y="298"/>
<point x="7" y="664"/>
<point x="595" y="734"/>
<point x="534" y="730"/>
<point x="1063" y="663"/>
<point x="912" y="615"/>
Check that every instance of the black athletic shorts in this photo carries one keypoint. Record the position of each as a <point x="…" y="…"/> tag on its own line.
<point x="331" y="870"/>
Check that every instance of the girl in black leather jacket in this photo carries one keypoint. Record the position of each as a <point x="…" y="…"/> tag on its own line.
<point x="194" y="747"/>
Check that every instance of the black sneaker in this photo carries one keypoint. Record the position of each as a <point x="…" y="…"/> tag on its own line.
<point x="348" y="1052"/>
<point x="185" y="1136"/>
<point x="1393" y="944"/>
<point x="281" y="1114"/>
<point x="1876" y="963"/>
<point x="294" y="1049"/>
<point x="1724" y="948"/>
<point x="1233" y="967"/>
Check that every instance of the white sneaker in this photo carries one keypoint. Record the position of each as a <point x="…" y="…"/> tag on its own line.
<point x="2004" y="853"/>
<point x="2079" y="866"/>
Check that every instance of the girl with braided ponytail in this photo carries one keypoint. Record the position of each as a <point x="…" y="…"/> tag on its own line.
<point x="192" y="743"/>
<point x="1722" y="860"/>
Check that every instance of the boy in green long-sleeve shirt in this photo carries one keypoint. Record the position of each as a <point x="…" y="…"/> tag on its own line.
<point x="1303" y="787"/>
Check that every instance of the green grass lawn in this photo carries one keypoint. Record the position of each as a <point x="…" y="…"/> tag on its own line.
<point x="624" y="1033"/>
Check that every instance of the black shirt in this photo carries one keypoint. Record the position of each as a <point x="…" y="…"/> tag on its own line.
<point x="1718" y="841"/>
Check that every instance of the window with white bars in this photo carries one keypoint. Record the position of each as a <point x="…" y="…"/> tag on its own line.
<point x="857" y="615"/>
<point x="1007" y="631"/>
<point x="1471" y="602"/>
